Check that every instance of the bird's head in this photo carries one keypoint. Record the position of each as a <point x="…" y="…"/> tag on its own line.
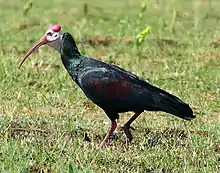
<point x="52" y="37"/>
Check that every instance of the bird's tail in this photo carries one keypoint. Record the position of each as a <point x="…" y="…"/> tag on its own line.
<point x="173" y="105"/>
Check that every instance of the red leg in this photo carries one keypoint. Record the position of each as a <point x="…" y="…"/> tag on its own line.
<point x="106" y="139"/>
<point x="127" y="126"/>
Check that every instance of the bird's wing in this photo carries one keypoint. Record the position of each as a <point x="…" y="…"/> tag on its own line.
<point x="112" y="88"/>
<point x="115" y="89"/>
<point x="105" y="83"/>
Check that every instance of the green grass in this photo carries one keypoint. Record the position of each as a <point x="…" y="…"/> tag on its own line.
<point x="44" y="115"/>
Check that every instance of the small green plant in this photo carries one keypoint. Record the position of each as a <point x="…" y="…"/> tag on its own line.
<point x="140" y="38"/>
<point x="142" y="33"/>
<point x="85" y="9"/>
<point x="142" y="10"/>
<point x="2" y="71"/>
<point x="27" y="7"/>
<point x="173" y="20"/>
<point x="72" y="167"/>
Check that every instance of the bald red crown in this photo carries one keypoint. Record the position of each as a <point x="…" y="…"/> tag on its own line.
<point x="56" y="28"/>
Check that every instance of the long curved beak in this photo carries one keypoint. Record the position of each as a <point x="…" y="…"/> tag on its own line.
<point x="41" y="42"/>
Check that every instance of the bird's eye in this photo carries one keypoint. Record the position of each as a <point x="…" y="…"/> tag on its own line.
<point x="49" y="33"/>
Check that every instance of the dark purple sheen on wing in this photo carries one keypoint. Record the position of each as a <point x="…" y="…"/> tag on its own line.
<point x="111" y="88"/>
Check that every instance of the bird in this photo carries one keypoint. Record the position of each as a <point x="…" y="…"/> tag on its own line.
<point x="112" y="88"/>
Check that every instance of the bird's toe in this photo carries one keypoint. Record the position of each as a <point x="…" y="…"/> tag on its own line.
<point x="113" y="136"/>
<point x="127" y="132"/>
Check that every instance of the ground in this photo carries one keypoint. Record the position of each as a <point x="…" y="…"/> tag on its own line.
<point x="46" y="122"/>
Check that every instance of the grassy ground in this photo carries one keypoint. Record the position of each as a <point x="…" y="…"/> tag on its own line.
<point x="44" y="116"/>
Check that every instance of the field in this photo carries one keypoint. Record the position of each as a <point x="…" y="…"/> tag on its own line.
<point x="45" y="119"/>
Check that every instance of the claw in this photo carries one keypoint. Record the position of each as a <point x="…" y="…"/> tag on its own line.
<point x="113" y="136"/>
<point x="127" y="132"/>
<point x="132" y="128"/>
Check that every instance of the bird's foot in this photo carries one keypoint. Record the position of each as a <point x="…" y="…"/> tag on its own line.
<point x="108" y="135"/>
<point x="127" y="132"/>
<point x="113" y="136"/>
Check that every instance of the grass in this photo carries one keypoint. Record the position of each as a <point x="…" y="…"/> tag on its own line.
<point x="44" y="116"/>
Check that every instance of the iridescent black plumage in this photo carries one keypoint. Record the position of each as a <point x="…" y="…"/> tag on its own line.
<point x="115" y="90"/>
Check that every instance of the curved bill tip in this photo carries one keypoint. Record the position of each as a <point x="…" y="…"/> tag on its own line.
<point x="21" y="63"/>
<point x="41" y="42"/>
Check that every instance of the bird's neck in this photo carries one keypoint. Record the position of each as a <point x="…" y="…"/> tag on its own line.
<point x="68" y="46"/>
<point x="70" y="55"/>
